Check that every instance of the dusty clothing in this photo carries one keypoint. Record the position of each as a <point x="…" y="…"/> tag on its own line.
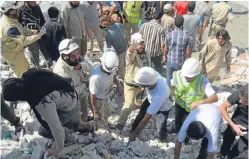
<point x="104" y="111"/>
<point x="32" y="54"/>
<point x="13" y="39"/>
<point x="82" y="43"/>
<point x="168" y="23"/>
<point x="73" y="21"/>
<point x="97" y="33"/>
<point x="212" y="58"/>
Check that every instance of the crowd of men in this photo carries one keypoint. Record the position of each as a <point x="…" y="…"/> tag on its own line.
<point x="135" y="40"/>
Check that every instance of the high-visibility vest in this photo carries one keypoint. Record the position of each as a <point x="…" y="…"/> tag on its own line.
<point x="186" y="95"/>
<point x="132" y="11"/>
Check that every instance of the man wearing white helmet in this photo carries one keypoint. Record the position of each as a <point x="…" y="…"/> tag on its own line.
<point x="133" y="63"/>
<point x="157" y="101"/>
<point x="191" y="90"/>
<point x="100" y="86"/>
<point x="68" y="66"/>
<point x="14" y="37"/>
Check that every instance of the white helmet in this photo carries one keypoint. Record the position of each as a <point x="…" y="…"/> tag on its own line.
<point x="110" y="61"/>
<point x="5" y="6"/>
<point x="67" y="46"/>
<point x="191" y="68"/>
<point x="146" y="76"/>
<point x="136" y="38"/>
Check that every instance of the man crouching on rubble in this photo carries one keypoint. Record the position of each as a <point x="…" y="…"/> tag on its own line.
<point x="53" y="101"/>
<point x="157" y="102"/>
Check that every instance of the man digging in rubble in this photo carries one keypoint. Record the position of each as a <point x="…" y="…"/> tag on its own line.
<point x="133" y="63"/>
<point x="100" y="86"/>
<point x="68" y="66"/>
<point x="238" y="125"/>
<point x="191" y="90"/>
<point x="157" y="101"/>
<point x="53" y="101"/>
<point x="201" y="123"/>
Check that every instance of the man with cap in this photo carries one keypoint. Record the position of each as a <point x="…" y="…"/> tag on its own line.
<point x="238" y="125"/>
<point x="157" y="102"/>
<point x="53" y="101"/>
<point x="177" y="48"/>
<point x="191" y="90"/>
<point x="68" y="66"/>
<point x="134" y="61"/>
<point x="167" y="20"/>
<point x="101" y="86"/>
<point x="154" y="35"/>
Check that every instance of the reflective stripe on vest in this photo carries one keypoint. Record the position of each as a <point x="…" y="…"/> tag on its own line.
<point x="185" y="96"/>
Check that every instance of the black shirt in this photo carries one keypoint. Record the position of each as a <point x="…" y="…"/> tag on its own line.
<point x="240" y="115"/>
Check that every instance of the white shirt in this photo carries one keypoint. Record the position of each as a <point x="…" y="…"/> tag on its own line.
<point x="210" y="116"/>
<point x="159" y="97"/>
<point x="205" y="85"/>
<point x="100" y="83"/>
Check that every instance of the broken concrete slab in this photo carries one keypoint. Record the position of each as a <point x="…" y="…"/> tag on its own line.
<point x="68" y="149"/>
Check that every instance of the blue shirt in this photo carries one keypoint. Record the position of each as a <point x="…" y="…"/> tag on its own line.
<point x="109" y="3"/>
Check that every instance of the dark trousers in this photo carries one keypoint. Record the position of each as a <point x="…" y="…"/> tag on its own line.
<point x="180" y="116"/>
<point x="170" y="70"/>
<point x="141" y="114"/>
<point x="156" y="61"/>
<point x="232" y="148"/>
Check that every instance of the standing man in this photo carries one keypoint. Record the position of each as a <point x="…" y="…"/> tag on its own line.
<point x="31" y="17"/>
<point x="131" y="89"/>
<point x="181" y="7"/>
<point x="154" y="35"/>
<point x="201" y="123"/>
<point x="72" y="18"/>
<point x="167" y="20"/>
<point x="92" y="23"/>
<point x="177" y="48"/>
<point x="221" y="13"/>
<point x="191" y="87"/>
<point x="14" y="37"/>
<point x="238" y="125"/>
<point x="68" y="66"/>
<point x="157" y="101"/>
<point x="192" y="23"/>
<point x="213" y="53"/>
<point x="134" y="12"/>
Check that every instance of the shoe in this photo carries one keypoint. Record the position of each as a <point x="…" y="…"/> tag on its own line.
<point x="202" y="154"/>
<point x="171" y="130"/>
<point x="163" y="136"/>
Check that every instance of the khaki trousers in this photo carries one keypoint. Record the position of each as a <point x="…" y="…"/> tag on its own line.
<point x="84" y="108"/>
<point x="129" y="105"/>
<point x="104" y="112"/>
<point x="82" y="43"/>
<point x="130" y="29"/>
<point x="97" y="33"/>
<point x="18" y="62"/>
<point x="214" y="28"/>
<point x="121" y="67"/>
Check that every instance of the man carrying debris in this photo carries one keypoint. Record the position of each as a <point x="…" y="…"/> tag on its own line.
<point x="68" y="66"/>
<point x="213" y="53"/>
<point x="53" y="101"/>
<point x="191" y="90"/>
<point x="202" y="123"/>
<point x="238" y="125"/>
<point x="14" y="37"/>
<point x="100" y="86"/>
<point x="157" y="101"/>
<point x="131" y="89"/>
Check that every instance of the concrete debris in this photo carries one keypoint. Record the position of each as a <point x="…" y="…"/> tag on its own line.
<point x="13" y="154"/>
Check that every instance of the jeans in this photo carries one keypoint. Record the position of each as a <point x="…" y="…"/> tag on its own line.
<point x="170" y="69"/>
<point x="157" y="63"/>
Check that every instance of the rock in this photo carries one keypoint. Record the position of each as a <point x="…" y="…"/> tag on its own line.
<point x="121" y="154"/>
<point x="84" y="139"/>
<point x="24" y="156"/>
<point x="187" y="148"/>
<point x="90" y="155"/>
<point x="38" y="152"/>
<point x="13" y="154"/>
<point x="104" y="138"/>
<point x="240" y="71"/>
<point x="90" y="147"/>
<point x="142" y="151"/>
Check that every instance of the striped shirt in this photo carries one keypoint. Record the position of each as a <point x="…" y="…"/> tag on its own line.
<point x="154" y="36"/>
<point x="177" y="41"/>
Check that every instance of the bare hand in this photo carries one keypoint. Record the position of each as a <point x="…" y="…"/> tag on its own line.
<point x="96" y="115"/>
<point x="132" y="137"/>
<point x="52" y="152"/>
<point x="164" y="59"/>
<point x="34" y="32"/>
<point x="77" y="67"/>
<point x="196" y="104"/>
<point x="238" y="129"/>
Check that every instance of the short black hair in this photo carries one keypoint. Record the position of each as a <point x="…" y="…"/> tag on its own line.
<point x="158" y="15"/>
<point x="179" y="20"/>
<point x="53" y="12"/>
<point x="224" y="34"/>
<point x="196" y="130"/>
<point x="191" y="6"/>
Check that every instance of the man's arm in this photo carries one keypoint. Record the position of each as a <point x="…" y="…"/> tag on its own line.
<point x="213" y="98"/>
<point x="93" y="103"/>
<point x="178" y="146"/>
<point x="113" y="8"/>
<point x="42" y="19"/>
<point x="228" y="60"/>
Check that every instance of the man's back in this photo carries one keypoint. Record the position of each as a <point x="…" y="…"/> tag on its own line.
<point x="181" y="7"/>
<point x="220" y="12"/>
<point x="168" y="23"/>
<point x="191" y="22"/>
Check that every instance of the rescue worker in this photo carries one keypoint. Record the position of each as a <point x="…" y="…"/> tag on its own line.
<point x="213" y="53"/>
<point x="221" y="14"/>
<point x="133" y="11"/>
<point x="68" y="66"/>
<point x="157" y="102"/>
<point x="53" y="101"/>
<point x="191" y="90"/>
<point x="14" y="37"/>
<point x="101" y="86"/>
<point x="131" y="89"/>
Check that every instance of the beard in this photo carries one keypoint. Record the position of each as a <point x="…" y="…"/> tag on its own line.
<point x="71" y="63"/>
